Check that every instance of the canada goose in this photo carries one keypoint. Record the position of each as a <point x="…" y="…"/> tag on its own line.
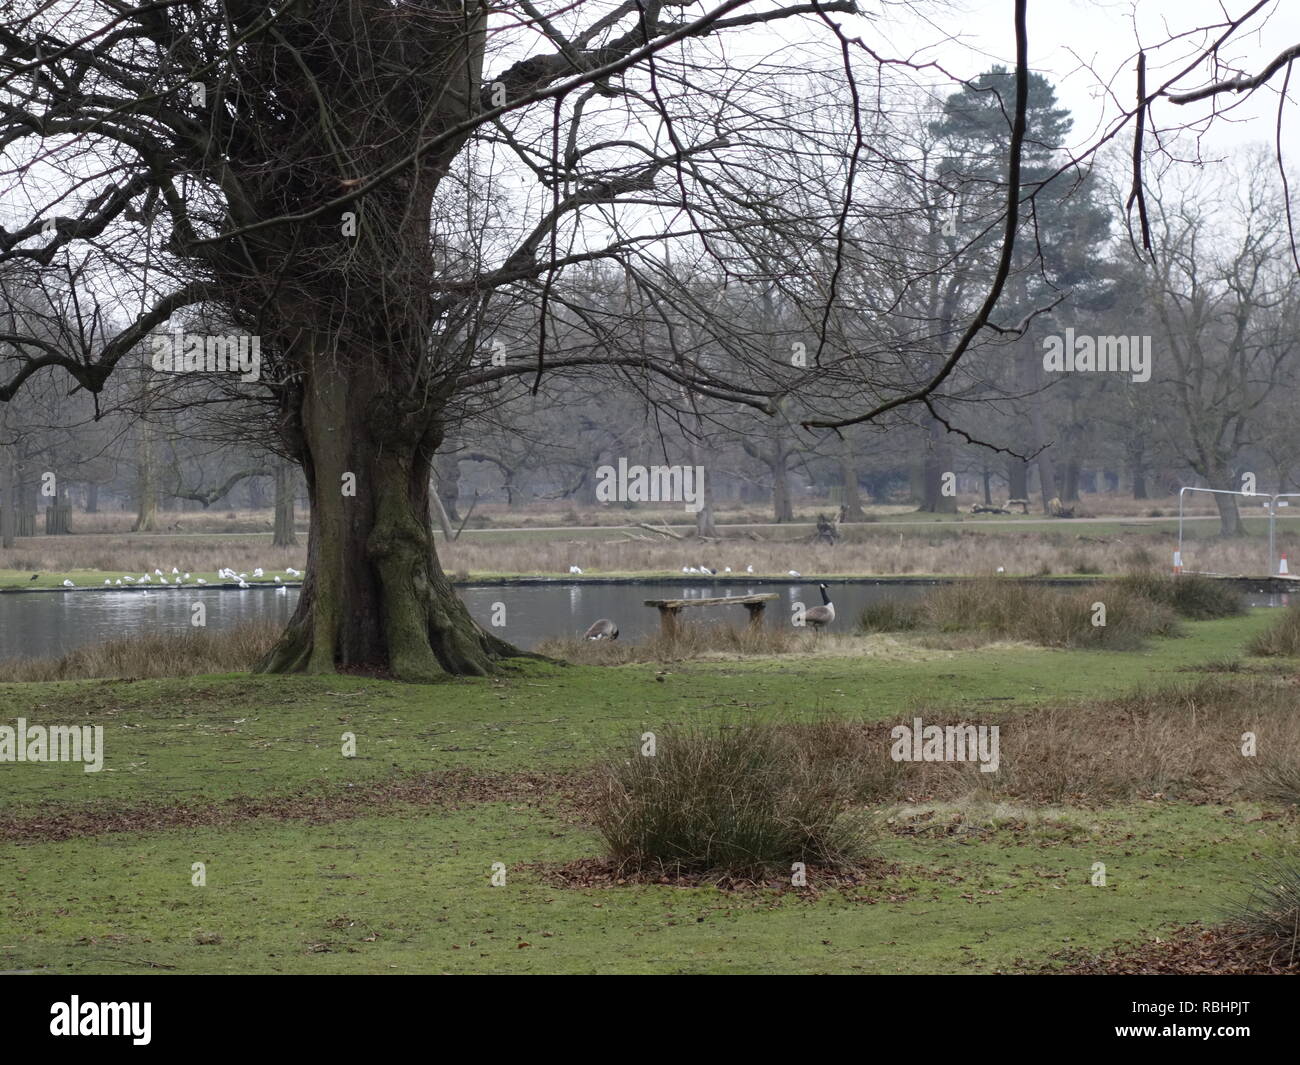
<point x="604" y="629"/>
<point x="35" y="575"/>
<point x="820" y="616"/>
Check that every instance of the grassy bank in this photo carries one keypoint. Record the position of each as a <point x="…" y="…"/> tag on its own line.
<point x="382" y="862"/>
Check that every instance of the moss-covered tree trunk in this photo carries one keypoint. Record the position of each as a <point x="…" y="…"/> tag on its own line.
<point x="374" y="597"/>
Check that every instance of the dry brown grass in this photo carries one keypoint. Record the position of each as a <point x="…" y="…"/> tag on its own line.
<point x="138" y="553"/>
<point x="937" y="550"/>
<point x="1175" y="743"/>
<point x="194" y="652"/>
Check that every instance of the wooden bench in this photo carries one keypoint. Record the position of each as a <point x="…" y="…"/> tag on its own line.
<point x="669" y="608"/>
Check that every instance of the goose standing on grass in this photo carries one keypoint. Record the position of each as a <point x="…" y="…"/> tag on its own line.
<point x="604" y="629"/>
<point x="820" y="616"/>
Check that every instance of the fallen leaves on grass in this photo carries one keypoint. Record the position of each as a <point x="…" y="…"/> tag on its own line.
<point x="1188" y="950"/>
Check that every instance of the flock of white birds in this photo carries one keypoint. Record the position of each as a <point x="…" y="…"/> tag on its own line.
<point x="178" y="579"/>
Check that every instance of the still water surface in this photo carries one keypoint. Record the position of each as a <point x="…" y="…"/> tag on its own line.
<point x="49" y="623"/>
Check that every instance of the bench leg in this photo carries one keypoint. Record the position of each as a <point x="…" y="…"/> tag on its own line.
<point x="668" y="622"/>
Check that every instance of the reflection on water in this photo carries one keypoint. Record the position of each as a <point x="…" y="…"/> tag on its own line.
<point x="49" y="623"/>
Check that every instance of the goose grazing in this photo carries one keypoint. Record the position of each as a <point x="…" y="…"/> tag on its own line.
<point x="604" y="629"/>
<point x="820" y="616"/>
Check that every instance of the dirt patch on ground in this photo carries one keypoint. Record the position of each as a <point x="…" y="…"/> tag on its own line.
<point x="1189" y="950"/>
<point x="584" y="873"/>
<point x="568" y="793"/>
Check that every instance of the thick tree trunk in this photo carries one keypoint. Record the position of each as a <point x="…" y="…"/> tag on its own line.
<point x="8" y="499"/>
<point x="938" y="461"/>
<point x="782" y="504"/>
<point x="851" y="498"/>
<point x="374" y="598"/>
<point x="1017" y="479"/>
<point x="1219" y="476"/>
<point x="704" y="524"/>
<point x="1070" y="489"/>
<point x="146" y="515"/>
<point x="284" y="535"/>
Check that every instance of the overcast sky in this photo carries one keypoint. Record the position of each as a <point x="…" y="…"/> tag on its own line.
<point x="1083" y="45"/>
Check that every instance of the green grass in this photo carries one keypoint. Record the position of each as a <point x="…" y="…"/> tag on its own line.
<point x="202" y="738"/>
<point x="410" y="893"/>
<point x="401" y="890"/>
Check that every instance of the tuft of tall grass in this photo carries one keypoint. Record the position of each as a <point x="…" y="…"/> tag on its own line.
<point x="1282" y="638"/>
<point x="187" y="654"/>
<point x="1188" y="595"/>
<point x="1269" y="917"/>
<point x="891" y="615"/>
<point x="1012" y="610"/>
<point x="740" y="802"/>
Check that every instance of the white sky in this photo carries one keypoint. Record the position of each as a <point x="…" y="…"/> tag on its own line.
<point x="1081" y="45"/>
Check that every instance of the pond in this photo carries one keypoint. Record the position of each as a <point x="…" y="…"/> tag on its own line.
<point x="39" y="624"/>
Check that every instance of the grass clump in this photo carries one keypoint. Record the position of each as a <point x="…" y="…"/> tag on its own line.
<point x="1188" y="595"/>
<point x="1281" y="639"/>
<point x="188" y="654"/>
<point x="1000" y="609"/>
<point x="1269" y="918"/>
<point x="739" y="803"/>
<point x="891" y="615"/>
